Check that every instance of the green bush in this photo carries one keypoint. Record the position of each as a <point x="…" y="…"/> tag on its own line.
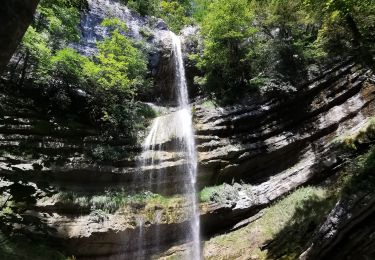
<point x="175" y="14"/>
<point x="111" y="80"/>
<point x="143" y="7"/>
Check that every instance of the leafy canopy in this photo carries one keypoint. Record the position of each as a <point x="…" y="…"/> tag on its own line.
<point x="225" y="29"/>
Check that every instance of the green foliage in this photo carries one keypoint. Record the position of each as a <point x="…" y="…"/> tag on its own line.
<point x="359" y="175"/>
<point x="119" y="72"/>
<point x="207" y="193"/>
<point x="35" y="50"/>
<point x="111" y="79"/>
<point x="252" y="44"/>
<point x="282" y="49"/>
<point x="272" y="43"/>
<point x="200" y="9"/>
<point x="114" y="25"/>
<point x="292" y="221"/>
<point x="146" y="32"/>
<point x="284" y="227"/>
<point x="71" y="67"/>
<point x="346" y="24"/>
<point x="60" y="19"/>
<point x="209" y="104"/>
<point x="364" y="136"/>
<point x="175" y="14"/>
<point x="110" y="201"/>
<point x="143" y="7"/>
<point x="225" y="29"/>
<point x="120" y="64"/>
<point x="54" y="26"/>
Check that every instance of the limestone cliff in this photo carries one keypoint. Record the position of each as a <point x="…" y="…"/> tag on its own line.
<point x="271" y="147"/>
<point x="252" y="156"/>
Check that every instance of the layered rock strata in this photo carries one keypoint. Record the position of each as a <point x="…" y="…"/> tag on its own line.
<point x="278" y="146"/>
<point x="271" y="146"/>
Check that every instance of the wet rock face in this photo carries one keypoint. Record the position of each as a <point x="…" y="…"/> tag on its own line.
<point x="15" y="17"/>
<point x="162" y="67"/>
<point x="192" y="44"/>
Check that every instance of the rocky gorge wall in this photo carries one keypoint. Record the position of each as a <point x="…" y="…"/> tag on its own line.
<point x="277" y="146"/>
<point x="270" y="146"/>
<point x="263" y="150"/>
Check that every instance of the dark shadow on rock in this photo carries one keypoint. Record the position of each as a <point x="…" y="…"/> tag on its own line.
<point x="15" y="17"/>
<point x="290" y="242"/>
<point x="18" y="224"/>
<point x="342" y="231"/>
<point x="349" y="230"/>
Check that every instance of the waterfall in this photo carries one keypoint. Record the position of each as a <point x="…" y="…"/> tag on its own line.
<point x="171" y="137"/>
<point x="185" y="121"/>
<point x="176" y="126"/>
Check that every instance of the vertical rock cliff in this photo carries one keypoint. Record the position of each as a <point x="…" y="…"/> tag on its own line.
<point x="15" y="17"/>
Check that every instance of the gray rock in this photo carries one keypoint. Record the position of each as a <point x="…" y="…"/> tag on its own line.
<point x="15" y="17"/>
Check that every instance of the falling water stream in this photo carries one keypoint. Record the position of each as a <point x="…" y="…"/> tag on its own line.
<point x="179" y="126"/>
<point x="188" y="143"/>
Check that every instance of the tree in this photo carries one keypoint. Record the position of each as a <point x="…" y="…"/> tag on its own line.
<point x="120" y="64"/>
<point x="55" y="25"/>
<point x="282" y="48"/>
<point x="355" y="17"/>
<point x="143" y="7"/>
<point x="226" y="30"/>
<point x="200" y="9"/>
<point x="70" y="68"/>
<point x="175" y="13"/>
<point x="35" y="51"/>
<point x="119" y="72"/>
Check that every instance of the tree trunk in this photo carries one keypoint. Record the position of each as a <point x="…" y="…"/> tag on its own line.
<point x="357" y="36"/>
<point x="24" y="69"/>
<point x="363" y="51"/>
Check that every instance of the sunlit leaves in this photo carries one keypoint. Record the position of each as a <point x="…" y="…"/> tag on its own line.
<point x="174" y="14"/>
<point x="226" y="29"/>
<point x="59" y="19"/>
<point x="121" y="64"/>
<point x="70" y="66"/>
<point x="35" y="49"/>
<point x="114" y="24"/>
